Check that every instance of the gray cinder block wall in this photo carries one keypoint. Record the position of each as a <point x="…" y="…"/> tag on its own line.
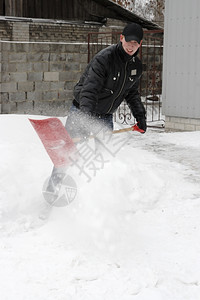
<point x="38" y="78"/>
<point x="40" y="62"/>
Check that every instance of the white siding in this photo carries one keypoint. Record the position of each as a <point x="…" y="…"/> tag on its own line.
<point x="181" y="62"/>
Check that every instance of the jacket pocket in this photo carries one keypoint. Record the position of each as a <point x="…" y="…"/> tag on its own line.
<point x="105" y="93"/>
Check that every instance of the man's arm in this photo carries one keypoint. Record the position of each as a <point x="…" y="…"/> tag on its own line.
<point x="136" y="106"/>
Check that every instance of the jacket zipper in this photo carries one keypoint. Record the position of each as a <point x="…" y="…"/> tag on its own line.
<point x="119" y="91"/>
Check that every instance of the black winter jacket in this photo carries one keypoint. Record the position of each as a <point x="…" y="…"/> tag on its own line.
<point x="109" y="78"/>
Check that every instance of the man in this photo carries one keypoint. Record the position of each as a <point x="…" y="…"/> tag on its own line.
<point x="112" y="76"/>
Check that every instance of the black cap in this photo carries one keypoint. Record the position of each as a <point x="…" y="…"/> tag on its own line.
<point x="133" y="32"/>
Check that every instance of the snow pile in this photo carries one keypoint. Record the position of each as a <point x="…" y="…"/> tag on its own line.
<point x="132" y="232"/>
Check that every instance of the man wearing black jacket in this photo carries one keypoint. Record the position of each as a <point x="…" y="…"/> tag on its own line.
<point x="112" y="76"/>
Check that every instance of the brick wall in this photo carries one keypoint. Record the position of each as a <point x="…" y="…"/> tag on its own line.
<point x="60" y="32"/>
<point x="38" y="78"/>
<point x="5" y="30"/>
<point x="40" y="62"/>
<point x="181" y="124"/>
<point x="50" y="31"/>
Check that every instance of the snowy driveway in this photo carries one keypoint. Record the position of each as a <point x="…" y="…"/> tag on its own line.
<point x="133" y="231"/>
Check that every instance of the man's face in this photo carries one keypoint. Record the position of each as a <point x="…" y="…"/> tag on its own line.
<point x="129" y="47"/>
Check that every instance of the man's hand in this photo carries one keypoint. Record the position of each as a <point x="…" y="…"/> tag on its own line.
<point x="141" y="123"/>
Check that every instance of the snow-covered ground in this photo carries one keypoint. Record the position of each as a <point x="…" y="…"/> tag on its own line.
<point x="132" y="231"/>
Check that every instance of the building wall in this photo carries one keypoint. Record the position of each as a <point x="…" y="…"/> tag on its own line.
<point x="50" y="31"/>
<point x="40" y="62"/>
<point x="6" y="29"/>
<point x="38" y="78"/>
<point x="41" y="32"/>
<point x="181" y="64"/>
